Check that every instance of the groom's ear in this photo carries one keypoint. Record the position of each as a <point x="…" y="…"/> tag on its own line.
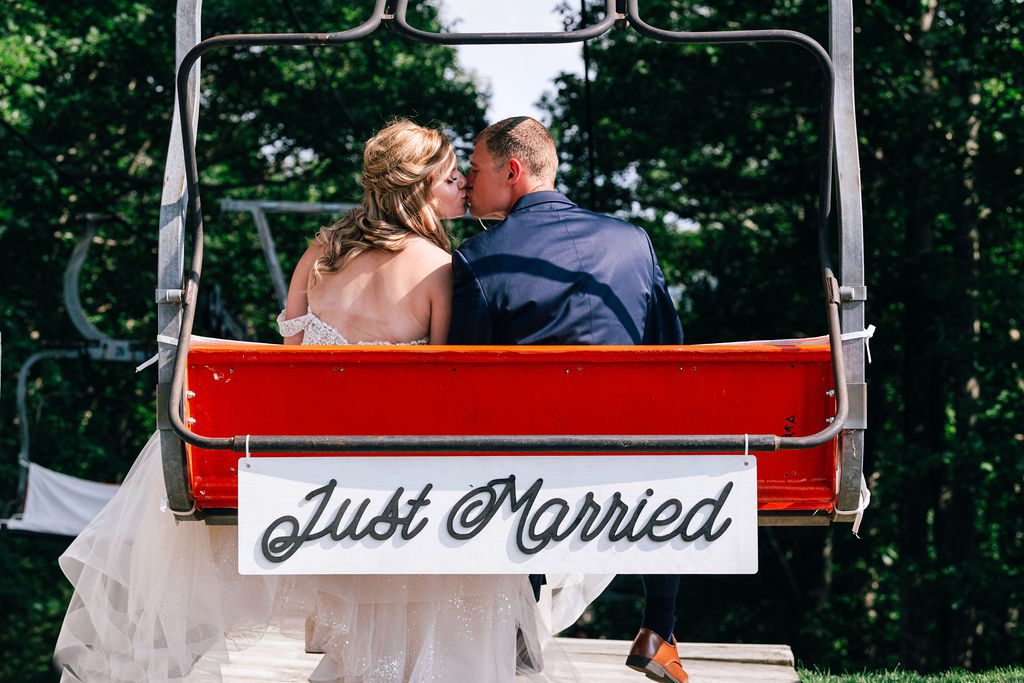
<point x="514" y="171"/>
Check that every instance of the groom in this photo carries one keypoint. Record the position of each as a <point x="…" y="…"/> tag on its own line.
<point x="552" y="273"/>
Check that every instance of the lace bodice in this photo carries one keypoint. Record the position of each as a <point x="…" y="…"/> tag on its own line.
<point x="319" y="333"/>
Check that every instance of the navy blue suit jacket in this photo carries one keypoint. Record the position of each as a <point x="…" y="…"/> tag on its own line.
<point x="553" y="273"/>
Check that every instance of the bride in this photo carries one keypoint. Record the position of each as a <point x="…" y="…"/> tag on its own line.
<point x="382" y="274"/>
<point x="160" y="601"/>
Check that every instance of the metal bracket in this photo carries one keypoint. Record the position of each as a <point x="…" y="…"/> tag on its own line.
<point x="858" y="415"/>
<point x="170" y="296"/>
<point x="853" y="293"/>
<point x="173" y="459"/>
<point x="621" y="20"/>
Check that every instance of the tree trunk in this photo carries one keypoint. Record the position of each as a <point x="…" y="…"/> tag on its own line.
<point x="923" y="391"/>
<point x="959" y="516"/>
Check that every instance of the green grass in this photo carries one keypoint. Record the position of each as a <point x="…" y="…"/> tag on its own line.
<point x="1011" y="675"/>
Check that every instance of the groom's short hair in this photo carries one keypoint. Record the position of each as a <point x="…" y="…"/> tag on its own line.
<point x="525" y="139"/>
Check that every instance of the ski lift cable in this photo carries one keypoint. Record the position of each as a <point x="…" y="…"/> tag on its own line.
<point x="589" y="113"/>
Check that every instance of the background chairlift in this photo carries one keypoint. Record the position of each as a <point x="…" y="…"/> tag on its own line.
<point x="259" y="211"/>
<point x="48" y="501"/>
<point x="51" y="502"/>
<point x="213" y="310"/>
<point x="817" y="466"/>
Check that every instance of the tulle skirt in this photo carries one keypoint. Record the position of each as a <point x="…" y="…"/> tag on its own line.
<point x="158" y="600"/>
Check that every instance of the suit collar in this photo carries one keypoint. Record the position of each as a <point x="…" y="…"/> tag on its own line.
<point x="533" y="199"/>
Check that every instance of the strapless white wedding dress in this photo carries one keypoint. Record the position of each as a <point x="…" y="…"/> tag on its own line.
<point x="157" y="600"/>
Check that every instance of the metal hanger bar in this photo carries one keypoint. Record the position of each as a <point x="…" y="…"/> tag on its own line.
<point x="285" y="207"/>
<point x="401" y="25"/>
<point x="193" y="213"/>
<point x="541" y="443"/>
<point x="851" y="252"/>
<point x="501" y="444"/>
<point x="72" y="274"/>
<point x="23" y="422"/>
<point x="259" y="210"/>
<point x="270" y="256"/>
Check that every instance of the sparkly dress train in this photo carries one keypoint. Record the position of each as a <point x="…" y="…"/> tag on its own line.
<point x="156" y="600"/>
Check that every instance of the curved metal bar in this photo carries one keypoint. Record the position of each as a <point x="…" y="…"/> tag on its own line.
<point x="509" y="443"/>
<point x="826" y="142"/>
<point x="72" y="298"/>
<point x="23" y="423"/>
<point x="194" y="212"/>
<point x="826" y="145"/>
<point x="401" y="25"/>
<point x="108" y="348"/>
<point x="98" y="346"/>
<point x="835" y="343"/>
<point x="171" y="259"/>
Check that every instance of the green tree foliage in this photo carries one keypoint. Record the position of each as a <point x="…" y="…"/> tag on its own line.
<point x="86" y="96"/>
<point x="713" y="149"/>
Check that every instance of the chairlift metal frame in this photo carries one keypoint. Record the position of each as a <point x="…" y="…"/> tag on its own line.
<point x="95" y="345"/>
<point x="181" y="213"/>
<point x="258" y="210"/>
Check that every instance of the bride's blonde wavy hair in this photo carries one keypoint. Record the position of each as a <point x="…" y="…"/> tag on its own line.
<point x="400" y="164"/>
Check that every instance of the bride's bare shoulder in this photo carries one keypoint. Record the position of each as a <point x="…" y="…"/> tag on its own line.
<point x="425" y="252"/>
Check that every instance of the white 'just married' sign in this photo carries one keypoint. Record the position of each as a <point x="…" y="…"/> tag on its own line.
<point x="678" y="514"/>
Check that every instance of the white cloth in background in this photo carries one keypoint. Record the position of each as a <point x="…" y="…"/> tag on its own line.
<point x="57" y="503"/>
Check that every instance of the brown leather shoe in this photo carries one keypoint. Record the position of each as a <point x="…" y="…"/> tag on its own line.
<point x="653" y="657"/>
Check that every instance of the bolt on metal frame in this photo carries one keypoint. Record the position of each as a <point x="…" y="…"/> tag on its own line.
<point x="181" y="212"/>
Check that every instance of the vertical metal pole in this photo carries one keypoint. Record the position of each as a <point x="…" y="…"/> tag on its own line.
<point x="851" y="251"/>
<point x="588" y="107"/>
<point x="170" y="277"/>
<point x="270" y="254"/>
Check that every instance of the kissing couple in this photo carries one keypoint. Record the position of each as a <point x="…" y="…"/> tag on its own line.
<point x="158" y="601"/>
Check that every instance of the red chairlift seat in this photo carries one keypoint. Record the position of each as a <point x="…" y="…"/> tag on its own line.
<point x="778" y="387"/>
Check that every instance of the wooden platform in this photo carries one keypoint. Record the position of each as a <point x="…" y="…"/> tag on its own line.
<point x="281" y="660"/>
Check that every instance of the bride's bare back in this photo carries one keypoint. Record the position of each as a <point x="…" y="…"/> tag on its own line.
<point x="378" y="296"/>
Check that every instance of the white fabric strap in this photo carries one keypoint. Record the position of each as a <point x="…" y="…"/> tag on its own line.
<point x="163" y="339"/>
<point x="865" y="493"/>
<point x="165" y="506"/>
<point x="247" y="453"/>
<point x="746" y="444"/>
<point x="862" y="505"/>
<point x="865" y="334"/>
